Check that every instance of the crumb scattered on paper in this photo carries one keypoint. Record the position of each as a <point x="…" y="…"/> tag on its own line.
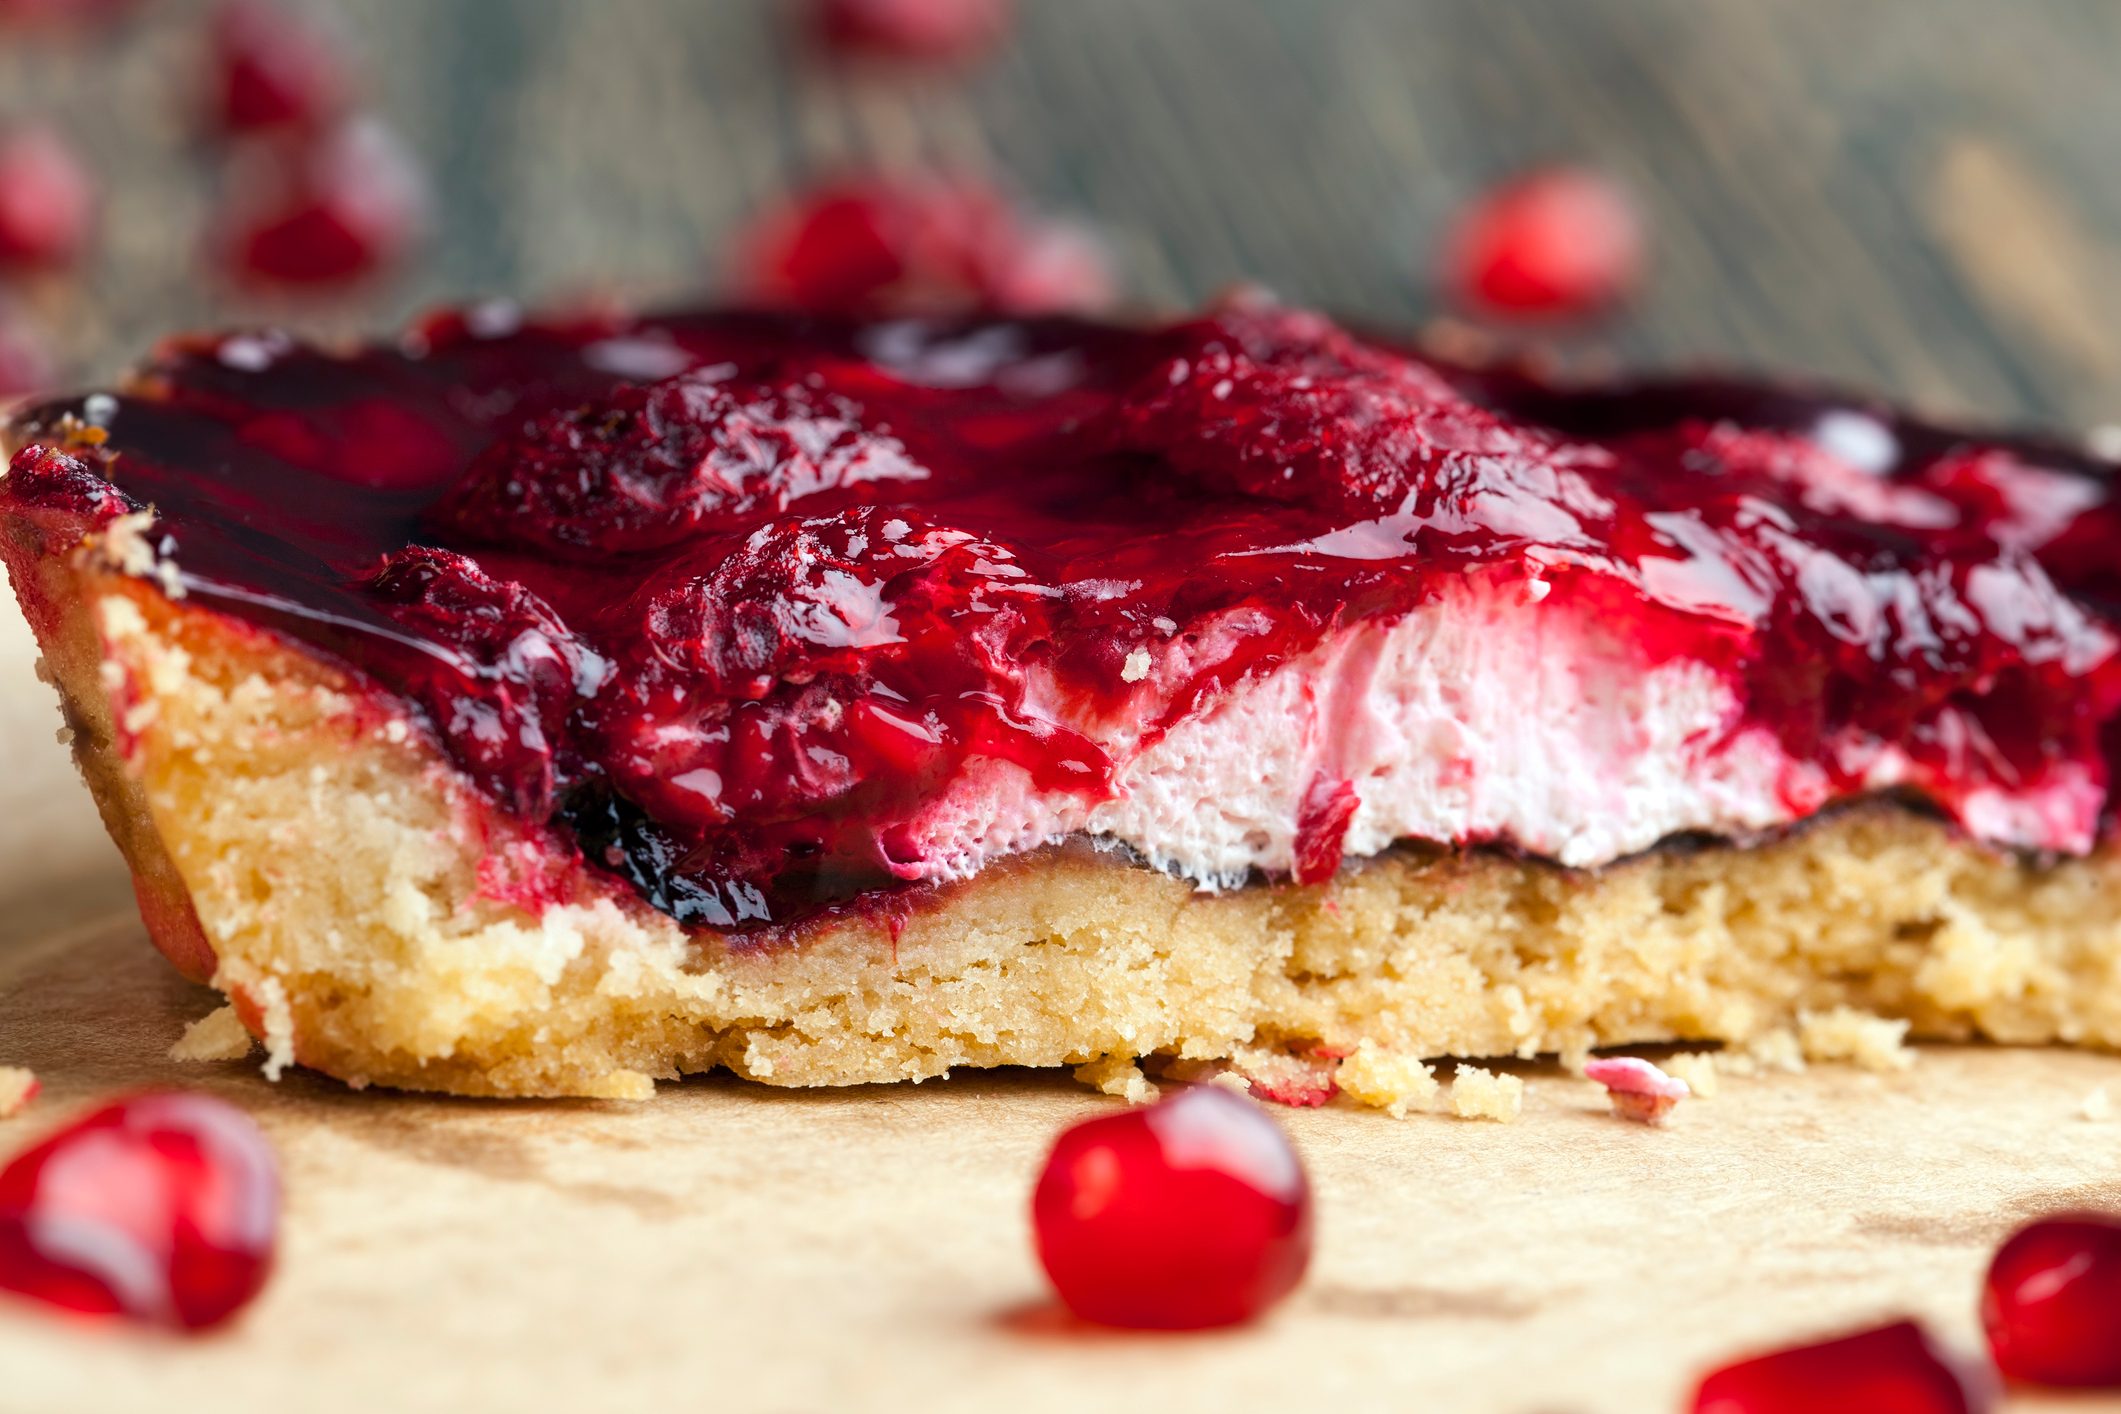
<point x="2096" y="1106"/>
<point x="1698" y="1069"/>
<point x="217" y="1036"/>
<point x="1117" y="1075"/>
<point x="1386" y="1080"/>
<point x="1858" y="1037"/>
<point x="1482" y="1094"/>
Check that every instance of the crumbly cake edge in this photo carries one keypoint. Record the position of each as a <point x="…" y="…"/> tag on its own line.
<point x="314" y="852"/>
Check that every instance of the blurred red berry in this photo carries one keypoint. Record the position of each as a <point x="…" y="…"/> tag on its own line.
<point x="24" y="368"/>
<point x="912" y="29"/>
<point x="274" y="68"/>
<point x="2052" y="1302"/>
<point x="918" y="243"/>
<point x="1555" y="243"/>
<point x="1191" y="1213"/>
<point x="1894" y="1369"/>
<point x="321" y="211"/>
<point x="163" y="1207"/>
<point x="62" y="12"/>
<point x="47" y="203"/>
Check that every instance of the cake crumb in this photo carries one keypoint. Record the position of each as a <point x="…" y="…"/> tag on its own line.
<point x="279" y="1027"/>
<point x="1636" y="1089"/>
<point x="1300" y="1080"/>
<point x="1858" y="1037"/>
<point x="2096" y="1106"/>
<point x="1117" y="1075"/>
<point x="1386" y="1080"/>
<point x="1136" y="667"/>
<point x="621" y="1085"/>
<point x="1483" y="1094"/>
<point x="1769" y="1051"/>
<point x="18" y="1087"/>
<point x="1698" y="1069"/>
<point x="217" y="1036"/>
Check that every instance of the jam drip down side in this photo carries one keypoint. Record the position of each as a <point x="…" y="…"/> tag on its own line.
<point x="733" y="600"/>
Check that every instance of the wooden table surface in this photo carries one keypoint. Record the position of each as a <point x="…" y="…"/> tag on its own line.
<point x="1919" y="195"/>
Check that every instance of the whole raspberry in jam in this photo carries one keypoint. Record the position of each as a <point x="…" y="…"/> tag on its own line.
<point x="911" y="29"/>
<point x="163" y="1207"/>
<point x="653" y="465"/>
<point x="274" y="68"/>
<point x="320" y="210"/>
<point x="503" y="705"/>
<point x="1191" y="1213"/>
<point x="2052" y="1302"/>
<point x="1557" y="242"/>
<point x="1893" y="1369"/>
<point x="47" y="203"/>
<point x="920" y="244"/>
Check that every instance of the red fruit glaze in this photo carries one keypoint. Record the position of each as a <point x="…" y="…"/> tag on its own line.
<point x="1556" y="242"/>
<point x="274" y="68"/>
<point x="320" y="210"/>
<point x="912" y="29"/>
<point x="1895" y="1369"/>
<point x="919" y="243"/>
<point x="164" y="1208"/>
<point x="731" y="601"/>
<point x="47" y="203"/>
<point x="1194" y="1212"/>
<point x="2052" y="1302"/>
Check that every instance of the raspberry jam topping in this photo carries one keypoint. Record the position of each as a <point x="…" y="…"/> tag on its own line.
<point x="1895" y="1369"/>
<point x="164" y="1208"/>
<point x="755" y="611"/>
<point x="2052" y="1302"/>
<point x="1190" y="1213"/>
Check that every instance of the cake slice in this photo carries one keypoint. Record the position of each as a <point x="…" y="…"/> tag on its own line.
<point x="550" y="707"/>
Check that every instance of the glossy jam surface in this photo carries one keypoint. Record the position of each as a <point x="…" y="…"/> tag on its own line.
<point x="2052" y="1302"/>
<point x="1190" y="1213"/>
<point x="164" y="1208"/>
<point x="728" y="599"/>
<point x="1895" y="1369"/>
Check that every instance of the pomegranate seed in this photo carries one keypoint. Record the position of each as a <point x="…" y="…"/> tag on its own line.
<point x="918" y="243"/>
<point x="1193" y="1212"/>
<point x="274" y="68"/>
<point x="162" y="1207"/>
<point x="1556" y="242"/>
<point x="322" y="212"/>
<point x="1636" y="1089"/>
<point x="912" y="29"/>
<point x="47" y="204"/>
<point x="1895" y="1369"/>
<point x="2052" y="1302"/>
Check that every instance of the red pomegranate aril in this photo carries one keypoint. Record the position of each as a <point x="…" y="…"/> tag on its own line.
<point x="164" y="1208"/>
<point x="1554" y="243"/>
<point x="274" y="68"/>
<point x="1190" y="1213"/>
<point x="320" y="212"/>
<point x="1891" y="1369"/>
<point x="912" y="29"/>
<point x="2052" y="1302"/>
<point x="47" y="203"/>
